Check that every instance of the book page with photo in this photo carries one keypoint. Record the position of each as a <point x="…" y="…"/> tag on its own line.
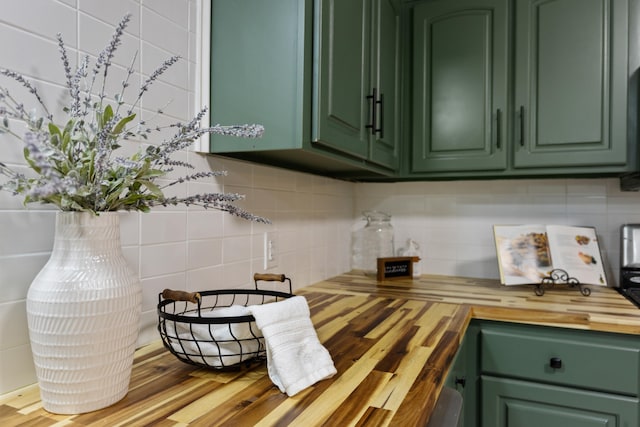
<point x="528" y="253"/>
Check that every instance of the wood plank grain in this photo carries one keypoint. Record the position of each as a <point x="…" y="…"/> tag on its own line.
<point x="392" y="344"/>
<point x="356" y="407"/>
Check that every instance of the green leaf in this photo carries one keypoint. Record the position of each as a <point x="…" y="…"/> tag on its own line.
<point x="32" y="164"/>
<point x="121" y="124"/>
<point x="54" y="130"/>
<point x="106" y="115"/>
<point x="154" y="189"/>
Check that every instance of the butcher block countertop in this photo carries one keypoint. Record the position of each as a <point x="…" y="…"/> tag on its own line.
<point x="392" y="344"/>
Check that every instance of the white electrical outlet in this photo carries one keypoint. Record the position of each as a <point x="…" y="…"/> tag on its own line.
<point x="270" y="250"/>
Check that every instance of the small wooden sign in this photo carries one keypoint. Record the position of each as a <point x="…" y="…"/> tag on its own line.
<point x="396" y="267"/>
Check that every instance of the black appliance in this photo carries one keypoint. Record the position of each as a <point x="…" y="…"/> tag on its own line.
<point x="630" y="262"/>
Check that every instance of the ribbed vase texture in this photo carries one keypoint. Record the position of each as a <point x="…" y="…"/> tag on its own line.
<point x="83" y="310"/>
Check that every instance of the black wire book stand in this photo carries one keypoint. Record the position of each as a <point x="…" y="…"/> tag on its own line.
<point x="559" y="276"/>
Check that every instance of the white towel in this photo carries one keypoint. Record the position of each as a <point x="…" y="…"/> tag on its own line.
<point x="216" y="345"/>
<point x="295" y="357"/>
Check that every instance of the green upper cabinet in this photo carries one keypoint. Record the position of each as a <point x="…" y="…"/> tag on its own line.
<point x="356" y="92"/>
<point x="450" y="89"/>
<point x="521" y="87"/>
<point x="304" y="69"/>
<point x="571" y="83"/>
<point x="460" y="85"/>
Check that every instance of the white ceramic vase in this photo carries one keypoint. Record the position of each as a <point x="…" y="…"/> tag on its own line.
<point x="83" y="310"/>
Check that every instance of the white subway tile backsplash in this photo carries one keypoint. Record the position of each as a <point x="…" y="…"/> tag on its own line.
<point x="95" y="36"/>
<point x="234" y="275"/>
<point x="234" y="226"/>
<point x="152" y="58"/>
<point x="454" y="229"/>
<point x="130" y="228"/>
<point x="45" y="50"/>
<point x="208" y="278"/>
<point x="164" y="33"/>
<point x="148" y="328"/>
<point x="176" y="11"/>
<point x="112" y="12"/>
<point x="204" y="224"/>
<point x="171" y="100"/>
<point x="26" y="232"/>
<point x="16" y="368"/>
<point x="587" y="204"/>
<point x="155" y="285"/>
<point x="588" y="187"/>
<point x="132" y="255"/>
<point x="14" y="314"/>
<point x="204" y="253"/>
<point x="236" y="249"/>
<point x="163" y="226"/>
<point x="157" y="260"/>
<point x="17" y="272"/>
<point x="52" y="18"/>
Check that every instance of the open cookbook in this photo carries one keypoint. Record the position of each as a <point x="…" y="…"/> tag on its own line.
<point x="528" y="253"/>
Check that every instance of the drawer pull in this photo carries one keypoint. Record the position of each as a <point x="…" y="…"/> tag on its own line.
<point x="555" y="362"/>
<point x="460" y="381"/>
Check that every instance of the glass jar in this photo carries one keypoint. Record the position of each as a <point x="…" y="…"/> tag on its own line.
<point x="373" y="241"/>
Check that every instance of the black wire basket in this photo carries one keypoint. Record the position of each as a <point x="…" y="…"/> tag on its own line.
<point x="214" y="329"/>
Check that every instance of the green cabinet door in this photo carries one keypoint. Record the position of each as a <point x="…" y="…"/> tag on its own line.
<point x="460" y="73"/>
<point x="343" y="79"/>
<point x="385" y="78"/>
<point x="357" y="58"/>
<point x="514" y="403"/>
<point x="463" y="376"/>
<point x="259" y="73"/>
<point x="570" y="84"/>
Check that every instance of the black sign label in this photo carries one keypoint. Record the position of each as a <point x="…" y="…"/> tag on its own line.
<point x="396" y="267"/>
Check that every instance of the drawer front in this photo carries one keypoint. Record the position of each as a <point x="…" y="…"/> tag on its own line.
<point x="585" y="359"/>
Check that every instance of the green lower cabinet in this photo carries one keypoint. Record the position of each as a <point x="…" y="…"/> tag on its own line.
<point x="514" y="403"/>
<point x="519" y="375"/>
<point x="463" y="376"/>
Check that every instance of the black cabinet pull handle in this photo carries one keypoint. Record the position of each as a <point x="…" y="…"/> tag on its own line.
<point x="522" y="125"/>
<point x="555" y="362"/>
<point x="373" y="124"/>
<point x="380" y="130"/>
<point x="374" y="113"/>
<point x="460" y="381"/>
<point x="498" y="128"/>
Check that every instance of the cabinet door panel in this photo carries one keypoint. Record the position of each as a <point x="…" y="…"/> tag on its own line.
<point x="570" y="82"/>
<point x="384" y="68"/>
<point x="341" y="89"/>
<point x="511" y="403"/>
<point x="256" y="74"/>
<point x="460" y="84"/>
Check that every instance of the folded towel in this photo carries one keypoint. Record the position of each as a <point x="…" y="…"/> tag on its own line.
<point x="216" y="345"/>
<point x="295" y="357"/>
